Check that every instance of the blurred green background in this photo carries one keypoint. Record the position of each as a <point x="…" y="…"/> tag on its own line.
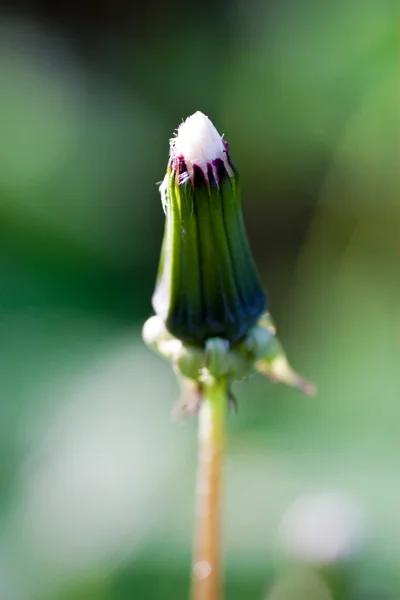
<point x="96" y="482"/>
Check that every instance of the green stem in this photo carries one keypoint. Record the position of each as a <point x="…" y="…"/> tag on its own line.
<point x="206" y="574"/>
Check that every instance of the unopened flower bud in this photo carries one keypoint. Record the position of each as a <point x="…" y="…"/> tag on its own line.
<point x="207" y="283"/>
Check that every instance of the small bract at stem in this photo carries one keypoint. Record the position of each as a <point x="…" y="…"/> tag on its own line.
<point x="206" y="575"/>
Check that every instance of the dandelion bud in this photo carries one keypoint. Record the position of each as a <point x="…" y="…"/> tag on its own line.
<point x="207" y="284"/>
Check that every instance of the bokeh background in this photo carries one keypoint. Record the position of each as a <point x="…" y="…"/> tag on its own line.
<point x="96" y="482"/>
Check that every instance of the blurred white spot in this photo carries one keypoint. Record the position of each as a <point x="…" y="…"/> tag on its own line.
<point x="322" y="528"/>
<point x="202" y="569"/>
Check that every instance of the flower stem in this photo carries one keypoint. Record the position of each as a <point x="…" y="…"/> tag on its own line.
<point x="206" y="573"/>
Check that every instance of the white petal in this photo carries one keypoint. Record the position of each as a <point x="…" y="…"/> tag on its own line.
<point x="198" y="141"/>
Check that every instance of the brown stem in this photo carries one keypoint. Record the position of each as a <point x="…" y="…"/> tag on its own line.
<point x="206" y="575"/>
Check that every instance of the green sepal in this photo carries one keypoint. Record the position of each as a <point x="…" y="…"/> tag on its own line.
<point x="207" y="283"/>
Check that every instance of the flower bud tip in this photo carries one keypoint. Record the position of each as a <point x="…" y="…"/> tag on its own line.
<point x="198" y="141"/>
